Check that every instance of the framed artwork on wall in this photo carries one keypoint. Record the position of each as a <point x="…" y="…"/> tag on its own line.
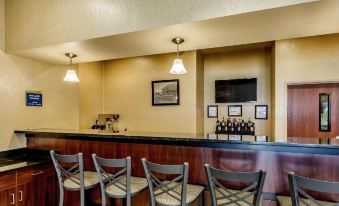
<point x="34" y="98"/>
<point x="212" y="111"/>
<point x="261" y="111"/>
<point x="235" y="110"/>
<point x="165" y="92"/>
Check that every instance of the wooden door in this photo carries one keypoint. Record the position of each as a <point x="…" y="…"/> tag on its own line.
<point x="47" y="190"/>
<point x="26" y="194"/>
<point x="8" y="197"/>
<point x="8" y="189"/>
<point x="303" y="110"/>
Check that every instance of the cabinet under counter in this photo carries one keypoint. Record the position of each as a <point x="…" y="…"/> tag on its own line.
<point x="27" y="178"/>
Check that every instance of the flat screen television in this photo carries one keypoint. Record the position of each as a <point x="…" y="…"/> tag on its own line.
<point x="236" y="90"/>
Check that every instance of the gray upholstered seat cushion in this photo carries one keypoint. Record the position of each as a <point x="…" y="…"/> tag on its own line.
<point x="118" y="190"/>
<point x="286" y="201"/>
<point x="247" y="197"/>
<point x="90" y="180"/>
<point x="193" y="192"/>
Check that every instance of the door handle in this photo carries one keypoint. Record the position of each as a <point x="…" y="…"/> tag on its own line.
<point x="21" y="196"/>
<point x="13" y="199"/>
<point x="38" y="173"/>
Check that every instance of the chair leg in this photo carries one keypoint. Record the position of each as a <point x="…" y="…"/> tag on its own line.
<point x="61" y="196"/>
<point x="82" y="198"/>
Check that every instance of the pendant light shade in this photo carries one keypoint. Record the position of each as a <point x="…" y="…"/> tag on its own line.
<point x="71" y="75"/>
<point x="178" y="65"/>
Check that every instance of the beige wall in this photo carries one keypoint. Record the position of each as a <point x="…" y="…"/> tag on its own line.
<point x="60" y="100"/>
<point x="127" y="85"/>
<point x="273" y="108"/>
<point x="200" y="93"/>
<point x="235" y="65"/>
<point x="304" y="60"/>
<point x="2" y="24"/>
<point x="90" y="93"/>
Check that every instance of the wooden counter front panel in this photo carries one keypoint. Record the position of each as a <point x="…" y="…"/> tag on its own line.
<point x="276" y="164"/>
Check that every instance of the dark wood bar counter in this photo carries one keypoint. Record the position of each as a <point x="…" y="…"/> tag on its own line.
<point x="277" y="159"/>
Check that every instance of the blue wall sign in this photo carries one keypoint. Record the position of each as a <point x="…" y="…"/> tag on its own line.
<point x="34" y="99"/>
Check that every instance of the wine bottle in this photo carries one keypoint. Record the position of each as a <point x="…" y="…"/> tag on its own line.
<point x="241" y="125"/>
<point x="232" y="125"/>
<point x="226" y="128"/>
<point x="229" y="124"/>
<point x="218" y="126"/>
<point x="250" y="125"/>
<point x="223" y="124"/>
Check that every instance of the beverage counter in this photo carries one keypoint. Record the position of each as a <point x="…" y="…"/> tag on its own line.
<point x="314" y="161"/>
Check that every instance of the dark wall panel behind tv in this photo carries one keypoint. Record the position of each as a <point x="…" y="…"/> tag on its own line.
<point x="236" y="90"/>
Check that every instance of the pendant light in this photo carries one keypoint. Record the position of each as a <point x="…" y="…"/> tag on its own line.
<point x="178" y="65"/>
<point x="71" y="75"/>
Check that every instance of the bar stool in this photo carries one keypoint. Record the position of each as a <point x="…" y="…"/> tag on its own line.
<point x="300" y="197"/>
<point x="248" y="196"/>
<point x="175" y="192"/>
<point x="73" y="178"/>
<point x="120" y="185"/>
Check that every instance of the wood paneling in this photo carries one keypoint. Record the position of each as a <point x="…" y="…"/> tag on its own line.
<point x="7" y="180"/>
<point x="303" y="110"/>
<point x="334" y="141"/>
<point x="277" y="164"/>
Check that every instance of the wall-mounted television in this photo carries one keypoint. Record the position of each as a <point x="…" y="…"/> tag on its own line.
<point x="236" y="90"/>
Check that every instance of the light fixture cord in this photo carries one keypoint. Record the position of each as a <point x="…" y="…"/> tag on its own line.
<point x="177" y="51"/>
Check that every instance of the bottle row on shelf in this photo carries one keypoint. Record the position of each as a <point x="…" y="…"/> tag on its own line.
<point x="235" y="126"/>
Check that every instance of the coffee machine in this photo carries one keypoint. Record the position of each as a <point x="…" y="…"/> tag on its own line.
<point x="108" y="122"/>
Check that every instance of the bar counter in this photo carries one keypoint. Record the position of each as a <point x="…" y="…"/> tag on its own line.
<point x="277" y="159"/>
<point x="180" y="139"/>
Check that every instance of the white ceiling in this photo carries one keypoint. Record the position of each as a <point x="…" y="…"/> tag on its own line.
<point x="281" y="23"/>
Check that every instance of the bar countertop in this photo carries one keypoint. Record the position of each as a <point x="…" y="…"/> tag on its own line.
<point x="21" y="158"/>
<point x="180" y="140"/>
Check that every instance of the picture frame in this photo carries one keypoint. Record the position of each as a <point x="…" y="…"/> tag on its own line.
<point x="235" y="110"/>
<point x="212" y="111"/>
<point x="34" y="98"/>
<point x="165" y="92"/>
<point x="261" y="111"/>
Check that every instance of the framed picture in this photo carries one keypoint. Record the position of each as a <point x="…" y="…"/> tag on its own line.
<point x="165" y="92"/>
<point x="34" y="98"/>
<point x="212" y="111"/>
<point x="261" y="111"/>
<point x="235" y="110"/>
